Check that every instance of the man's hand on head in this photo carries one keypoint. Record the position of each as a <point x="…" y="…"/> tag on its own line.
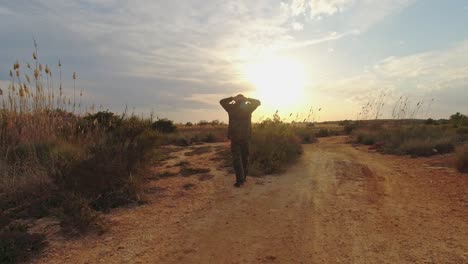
<point x="239" y="99"/>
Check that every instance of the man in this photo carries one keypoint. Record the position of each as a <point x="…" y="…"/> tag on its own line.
<point x="240" y="111"/>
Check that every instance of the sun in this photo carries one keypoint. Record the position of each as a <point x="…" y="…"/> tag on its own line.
<point x="279" y="83"/>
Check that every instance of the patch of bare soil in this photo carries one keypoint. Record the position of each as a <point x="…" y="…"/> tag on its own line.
<point x="339" y="204"/>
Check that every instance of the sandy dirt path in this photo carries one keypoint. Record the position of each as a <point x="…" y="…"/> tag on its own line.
<point x="339" y="204"/>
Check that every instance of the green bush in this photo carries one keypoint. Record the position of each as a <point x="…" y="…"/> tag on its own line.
<point x="164" y="126"/>
<point x="459" y="119"/>
<point x="274" y="145"/>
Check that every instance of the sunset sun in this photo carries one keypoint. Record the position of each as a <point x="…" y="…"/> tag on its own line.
<point x="279" y="83"/>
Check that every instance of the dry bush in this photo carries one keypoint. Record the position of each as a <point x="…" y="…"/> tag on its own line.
<point x="306" y="134"/>
<point x="54" y="161"/>
<point x="417" y="140"/>
<point x="274" y="146"/>
<point x="462" y="159"/>
<point x="192" y="134"/>
<point x="16" y="244"/>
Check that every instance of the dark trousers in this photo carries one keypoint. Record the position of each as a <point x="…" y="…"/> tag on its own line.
<point x="240" y="159"/>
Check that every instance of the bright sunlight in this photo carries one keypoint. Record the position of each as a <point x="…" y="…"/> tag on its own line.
<point x="279" y="83"/>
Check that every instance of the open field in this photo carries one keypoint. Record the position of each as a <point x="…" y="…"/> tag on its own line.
<point x="266" y="131"/>
<point x="67" y="173"/>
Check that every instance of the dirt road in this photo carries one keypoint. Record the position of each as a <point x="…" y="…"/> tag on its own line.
<point x="339" y="204"/>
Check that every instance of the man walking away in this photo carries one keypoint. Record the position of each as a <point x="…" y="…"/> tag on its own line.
<point x="240" y="111"/>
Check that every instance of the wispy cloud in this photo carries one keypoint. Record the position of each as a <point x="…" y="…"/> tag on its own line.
<point x="317" y="8"/>
<point x="182" y="55"/>
<point x="438" y="74"/>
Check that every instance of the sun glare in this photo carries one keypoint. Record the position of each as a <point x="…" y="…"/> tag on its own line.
<point x="279" y="83"/>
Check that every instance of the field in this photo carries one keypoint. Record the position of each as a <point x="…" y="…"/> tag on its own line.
<point x="59" y="162"/>
<point x="67" y="166"/>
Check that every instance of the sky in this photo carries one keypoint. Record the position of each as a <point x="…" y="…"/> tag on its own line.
<point x="177" y="59"/>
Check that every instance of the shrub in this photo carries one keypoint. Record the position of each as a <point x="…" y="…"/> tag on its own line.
<point x="459" y="119"/>
<point x="209" y="138"/>
<point x="417" y="147"/>
<point x="323" y="132"/>
<point x="349" y="127"/>
<point x="429" y="121"/>
<point x="77" y="216"/>
<point x="17" y="245"/>
<point x="305" y="134"/>
<point x="462" y="160"/>
<point x="462" y="130"/>
<point x="164" y="126"/>
<point x="105" y="119"/>
<point x="203" y="123"/>
<point x="409" y="140"/>
<point x="55" y="162"/>
<point x="274" y="145"/>
<point x="109" y="175"/>
<point x="215" y="122"/>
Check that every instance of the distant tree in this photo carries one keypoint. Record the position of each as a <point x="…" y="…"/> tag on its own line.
<point x="458" y="119"/>
<point x="429" y="121"/>
<point x="215" y="122"/>
<point x="203" y="123"/>
<point x="189" y="124"/>
<point x="164" y="125"/>
<point x="105" y="119"/>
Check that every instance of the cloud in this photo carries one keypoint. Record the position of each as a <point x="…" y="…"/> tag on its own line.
<point x="331" y="36"/>
<point x="440" y="74"/>
<point x="207" y="99"/>
<point x="361" y="14"/>
<point x="297" y="26"/>
<point x="317" y="8"/>
<point x="149" y="54"/>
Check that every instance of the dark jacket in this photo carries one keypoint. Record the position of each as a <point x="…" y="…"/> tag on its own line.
<point x="240" y="115"/>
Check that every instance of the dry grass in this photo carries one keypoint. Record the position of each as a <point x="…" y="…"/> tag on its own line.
<point x="57" y="160"/>
<point x="462" y="159"/>
<point x="411" y="139"/>
<point x="187" y="135"/>
<point x="274" y="146"/>
<point x="408" y="140"/>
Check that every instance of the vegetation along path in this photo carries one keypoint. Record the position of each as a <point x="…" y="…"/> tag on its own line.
<point x="338" y="204"/>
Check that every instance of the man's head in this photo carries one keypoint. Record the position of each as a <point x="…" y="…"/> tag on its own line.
<point x="239" y="98"/>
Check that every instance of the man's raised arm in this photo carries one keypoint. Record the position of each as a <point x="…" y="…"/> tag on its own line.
<point x="225" y="103"/>
<point x="254" y="103"/>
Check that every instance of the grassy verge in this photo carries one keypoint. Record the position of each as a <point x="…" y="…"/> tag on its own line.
<point x="414" y="140"/>
<point x="57" y="161"/>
